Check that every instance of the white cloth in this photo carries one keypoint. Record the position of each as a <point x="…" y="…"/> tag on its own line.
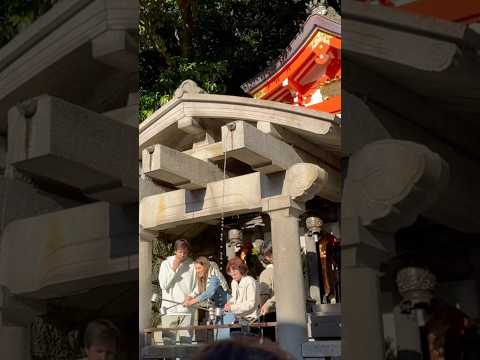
<point x="175" y="336"/>
<point x="245" y="298"/>
<point x="176" y="285"/>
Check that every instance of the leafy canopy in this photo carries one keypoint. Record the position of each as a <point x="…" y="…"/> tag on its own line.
<point x="220" y="44"/>
<point x="15" y="15"/>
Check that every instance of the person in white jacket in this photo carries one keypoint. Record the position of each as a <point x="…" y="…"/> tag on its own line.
<point x="177" y="281"/>
<point x="245" y="299"/>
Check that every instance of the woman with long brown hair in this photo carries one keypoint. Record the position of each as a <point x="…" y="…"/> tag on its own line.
<point x="211" y="284"/>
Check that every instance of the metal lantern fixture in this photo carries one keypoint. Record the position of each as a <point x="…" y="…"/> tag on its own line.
<point x="314" y="226"/>
<point x="416" y="286"/>
<point x="235" y="239"/>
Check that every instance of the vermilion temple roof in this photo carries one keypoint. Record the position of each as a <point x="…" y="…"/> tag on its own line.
<point x="315" y="21"/>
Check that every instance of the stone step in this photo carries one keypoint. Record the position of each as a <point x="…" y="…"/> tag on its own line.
<point x="322" y="349"/>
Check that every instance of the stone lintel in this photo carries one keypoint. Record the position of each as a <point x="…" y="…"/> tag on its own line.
<point x="320" y="128"/>
<point x="62" y="256"/>
<point x="242" y="194"/>
<point x="53" y="55"/>
<point x="267" y="154"/>
<point x="261" y="151"/>
<point x="52" y="139"/>
<point x="178" y="169"/>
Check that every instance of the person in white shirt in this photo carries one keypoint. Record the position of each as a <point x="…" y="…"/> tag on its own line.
<point x="177" y="281"/>
<point x="245" y="298"/>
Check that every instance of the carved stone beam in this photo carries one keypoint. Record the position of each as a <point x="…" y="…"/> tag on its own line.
<point x="391" y="182"/>
<point x="303" y="181"/>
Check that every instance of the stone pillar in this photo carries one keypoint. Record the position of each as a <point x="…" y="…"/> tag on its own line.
<point x="362" y="331"/>
<point x="144" y="286"/>
<point x="363" y="250"/>
<point x="389" y="183"/>
<point x="288" y="275"/>
<point x="15" y="336"/>
<point x="15" y="342"/>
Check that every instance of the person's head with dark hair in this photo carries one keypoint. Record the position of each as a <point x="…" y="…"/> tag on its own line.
<point x="245" y="251"/>
<point x="182" y="249"/>
<point x="242" y="348"/>
<point x="182" y="244"/>
<point x="101" y="340"/>
<point x="236" y="268"/>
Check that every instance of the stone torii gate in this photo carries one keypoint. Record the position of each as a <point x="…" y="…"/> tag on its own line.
<point x="293" y="154"/>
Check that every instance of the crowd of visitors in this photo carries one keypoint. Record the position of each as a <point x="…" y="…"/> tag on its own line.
<point x="188" y="284"/>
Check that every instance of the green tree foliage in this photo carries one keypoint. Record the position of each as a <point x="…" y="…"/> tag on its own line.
<point x="220" y="44"/>
<point x="15" y="15"/>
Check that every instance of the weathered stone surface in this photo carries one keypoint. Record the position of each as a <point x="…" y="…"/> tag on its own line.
<point x="304" y="181"/>
<point x="188" y="87"/>
<point x="144" y="286"/>
<point x="322" y="349"/>
<point x="361" y="313"/>
<point x="116" y="48"/>
<point x="453" y="141"/>
<point x="60" y="255"/>
<point x="360" y="126"/>
<point x="242" y="195"/>
<point x="20" y="200"/>
<point x="268" y="154"/>
<point x="14" y="341"/>
<point x="190" y="126"/>
<point x="261" y="151"/>
<point x="127" y="114"/>
<point x="380" y="38"/>
<point x="245" y="193"/>
<point x="76" y="147"/>
<point x="211" y="152"/>
<point x="41" y="58"/>
<point x="288" y="274"/>
<point x="391" y="182"/>
<point x="178" y="169"/>
<point x="214" y="110"/>
<point x="303" y="147"/>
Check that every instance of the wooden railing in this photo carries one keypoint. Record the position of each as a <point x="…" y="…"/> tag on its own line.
<point x="150" y="331"/>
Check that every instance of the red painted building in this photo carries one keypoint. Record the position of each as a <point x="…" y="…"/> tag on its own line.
<point x="308" y="73"/>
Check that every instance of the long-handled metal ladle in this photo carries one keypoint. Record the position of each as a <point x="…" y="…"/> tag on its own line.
<point x="163" y="309"/>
